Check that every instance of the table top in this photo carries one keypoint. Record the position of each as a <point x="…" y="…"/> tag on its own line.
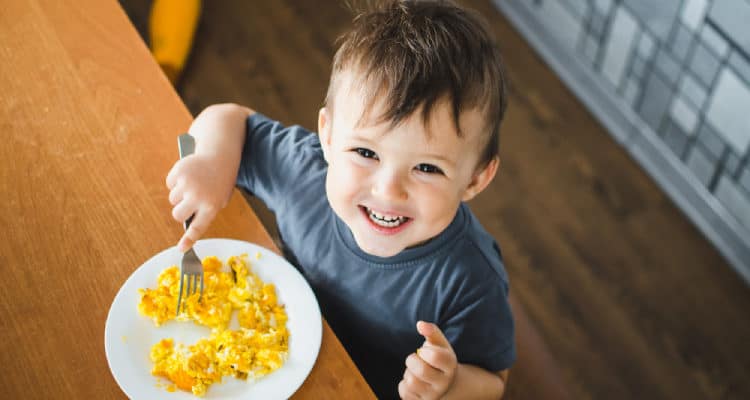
<point x="89" y="125"/>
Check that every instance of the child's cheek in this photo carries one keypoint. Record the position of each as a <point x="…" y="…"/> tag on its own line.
<point x="348" y="177"/>
<point x="358" y="171"/>
<point x="353" y="168"/>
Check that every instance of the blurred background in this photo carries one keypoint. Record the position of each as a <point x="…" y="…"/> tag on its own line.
<point x="622" y="205"/>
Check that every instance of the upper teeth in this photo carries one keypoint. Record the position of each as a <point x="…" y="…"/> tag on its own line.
<point x="386" y="220"/>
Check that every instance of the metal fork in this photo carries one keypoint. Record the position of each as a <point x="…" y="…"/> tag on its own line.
<point x="191" y="268"/>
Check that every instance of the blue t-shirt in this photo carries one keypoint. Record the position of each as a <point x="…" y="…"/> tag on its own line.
<point x="456" y="280"/>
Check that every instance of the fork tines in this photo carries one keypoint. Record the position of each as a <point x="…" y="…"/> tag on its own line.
<point x="191" y="289"/>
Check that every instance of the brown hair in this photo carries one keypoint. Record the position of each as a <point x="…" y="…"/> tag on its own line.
<point x="419" y="52"/>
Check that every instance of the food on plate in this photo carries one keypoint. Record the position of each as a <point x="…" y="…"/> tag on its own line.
<point x="257" y="348"/>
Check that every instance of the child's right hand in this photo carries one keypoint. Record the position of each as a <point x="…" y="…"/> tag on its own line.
<point x="199" y="184"/>
<point x="202" y="182"/>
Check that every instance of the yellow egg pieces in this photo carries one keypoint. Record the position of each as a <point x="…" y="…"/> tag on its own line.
<point x="257" y="348"/>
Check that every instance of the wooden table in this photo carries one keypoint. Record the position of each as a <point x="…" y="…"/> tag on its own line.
<point x="89" y="127"/>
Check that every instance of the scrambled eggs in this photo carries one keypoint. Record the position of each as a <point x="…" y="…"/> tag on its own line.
<point x="259" y="347"/>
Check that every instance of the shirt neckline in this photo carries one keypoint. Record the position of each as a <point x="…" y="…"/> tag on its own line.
<point x="410" y="256"/>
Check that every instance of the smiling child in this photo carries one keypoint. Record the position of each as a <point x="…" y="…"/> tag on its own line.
<point x="372" y="208"/>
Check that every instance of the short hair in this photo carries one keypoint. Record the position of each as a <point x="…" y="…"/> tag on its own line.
<point x="417" y="53"/>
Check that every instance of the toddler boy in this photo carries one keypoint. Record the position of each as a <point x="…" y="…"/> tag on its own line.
<point x="372" y="208"/>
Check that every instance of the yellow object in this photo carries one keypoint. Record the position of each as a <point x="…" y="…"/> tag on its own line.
<point x="258" y="348"/>
<point x="172" y="25"/>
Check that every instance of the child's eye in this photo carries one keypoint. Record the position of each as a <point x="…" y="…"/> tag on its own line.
<point x="429" y="169"/>
<point x="366" y="153"/>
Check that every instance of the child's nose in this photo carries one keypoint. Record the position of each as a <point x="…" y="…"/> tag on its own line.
<point x="390" y="186"/>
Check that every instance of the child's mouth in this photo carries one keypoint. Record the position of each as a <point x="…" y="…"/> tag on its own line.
<point x="384" y="220"/>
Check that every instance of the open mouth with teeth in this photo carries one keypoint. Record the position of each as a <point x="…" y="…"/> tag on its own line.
<point x="385" y="222"/>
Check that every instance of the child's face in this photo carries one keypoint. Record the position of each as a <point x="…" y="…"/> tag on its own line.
<point x="396" y="188"/>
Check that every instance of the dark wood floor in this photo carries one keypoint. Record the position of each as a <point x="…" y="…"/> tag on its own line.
<point x="630" y="298"/>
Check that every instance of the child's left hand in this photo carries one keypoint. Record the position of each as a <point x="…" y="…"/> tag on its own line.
<point x="430" y="372"/>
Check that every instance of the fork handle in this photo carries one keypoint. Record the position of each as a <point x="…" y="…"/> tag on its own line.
<point x="186" y="146"/>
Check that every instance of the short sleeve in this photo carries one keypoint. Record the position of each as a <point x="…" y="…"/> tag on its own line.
<point x="482" y="330"/>
<point x="275" y="159"/>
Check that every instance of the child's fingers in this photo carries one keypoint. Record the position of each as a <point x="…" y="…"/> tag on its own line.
<point x="184" y="209"/>
<point x="185" y="243"/>
<point x="413" y="387"/>
<point x="432" y="334"/>
<point x="200" y="223"/>
<point x="198" y="226"/>
<point x="176" y="194"/>
<point x="440" y="358"/>
<point x="416" y="384"/>
<point x="171" y="180"/>
<point x="422" y="369"/>
<point x="405" y="393"/>
<point x="191" y="235"/>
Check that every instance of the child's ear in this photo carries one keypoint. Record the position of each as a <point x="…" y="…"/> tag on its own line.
<point x="481" y="179"/>
<point x="324" y="131"/>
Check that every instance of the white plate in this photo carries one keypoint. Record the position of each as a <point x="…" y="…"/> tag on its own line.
<point x="128" y="336"/>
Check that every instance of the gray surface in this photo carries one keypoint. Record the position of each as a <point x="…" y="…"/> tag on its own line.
<point x="659" y="155"/>
<point x="734" y="198"/>
<point x="632" y="91"/>
<point x="597" y="24"/>
<point x="621" y="38"/>
<point x="638" y="66"/>
<point x="603" y="6"/>
<point x="693" y="91"/>
<point x="646" y="45"/>
<point x="729" y="110"/>
<point x="655" y="101"/>
<point x="740" y="65"/>
<point x="684" y="115"/>
<point x="693" y="13"/>
<point x="704" y="64"/>
<point x="745" y="179"/>
<point x="566" y="27"/>
<point x="701" y="165"/>
<point x="656" y="15"/>
<point x="668" y="66"/>
<point x="591" y="49"/>
<point x="711" y="141"/>
<point x="675" y="138"/>
<point x="714" y="41"/>
<point x="732" y="164"/>
<point x="683" y="39"/>
<point x="732" y="18"/>
<point x="579" y="8"/>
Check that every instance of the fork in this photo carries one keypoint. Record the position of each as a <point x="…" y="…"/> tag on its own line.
<point x="191" y="268"/>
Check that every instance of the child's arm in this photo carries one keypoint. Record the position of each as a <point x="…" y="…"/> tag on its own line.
<point x="434" y="373"/>
<point x="202" y="183"/>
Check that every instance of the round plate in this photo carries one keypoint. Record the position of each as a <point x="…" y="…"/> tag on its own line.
<point x="128" y="335"/>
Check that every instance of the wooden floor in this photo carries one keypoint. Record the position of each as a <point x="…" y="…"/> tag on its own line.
<point x="630" y="298"/>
